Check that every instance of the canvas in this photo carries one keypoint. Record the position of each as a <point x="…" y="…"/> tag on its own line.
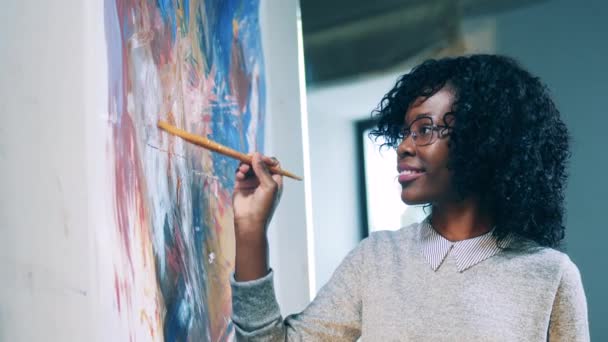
<point x="199" y="66"/>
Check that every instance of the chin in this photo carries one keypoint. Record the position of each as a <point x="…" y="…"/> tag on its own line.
<point x="412" y="198"/>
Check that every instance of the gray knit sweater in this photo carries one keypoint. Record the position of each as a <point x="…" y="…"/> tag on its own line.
<point x="385" y="290"/>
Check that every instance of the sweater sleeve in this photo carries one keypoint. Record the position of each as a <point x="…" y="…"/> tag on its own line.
<point x="334" y="315"/>
<point x="569" y="315"/>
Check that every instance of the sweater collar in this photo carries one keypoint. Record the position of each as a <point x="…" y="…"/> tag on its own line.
<point x="467" y="253"/>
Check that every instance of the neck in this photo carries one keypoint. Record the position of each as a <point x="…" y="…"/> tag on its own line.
<point x="461" y="220"/>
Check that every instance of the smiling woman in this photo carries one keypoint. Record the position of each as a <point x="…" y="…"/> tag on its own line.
<point x="479" y="140"/>
<point x="506" y="149"/>
<point x="422" y="160"/>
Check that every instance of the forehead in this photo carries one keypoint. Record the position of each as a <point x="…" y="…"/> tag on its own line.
<point x="434" y="106"/>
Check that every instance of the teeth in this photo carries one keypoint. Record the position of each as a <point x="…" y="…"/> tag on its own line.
<point x="409" y="172"/>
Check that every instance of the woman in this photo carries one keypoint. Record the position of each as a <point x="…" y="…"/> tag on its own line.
<point x="479" y="140"/>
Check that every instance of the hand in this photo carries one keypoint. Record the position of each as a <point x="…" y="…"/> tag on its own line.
<point x="256" y="195"/>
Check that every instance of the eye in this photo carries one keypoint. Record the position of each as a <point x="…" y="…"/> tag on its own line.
<point x="425" y="130"/>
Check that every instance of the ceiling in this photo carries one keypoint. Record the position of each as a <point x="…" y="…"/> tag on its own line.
<point x="346" y="38"/>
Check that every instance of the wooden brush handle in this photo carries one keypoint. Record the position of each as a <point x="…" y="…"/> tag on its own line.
<point x="219" y="148"/>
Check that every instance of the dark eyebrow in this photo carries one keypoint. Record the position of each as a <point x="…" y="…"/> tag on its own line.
<point x="418" y="116"/>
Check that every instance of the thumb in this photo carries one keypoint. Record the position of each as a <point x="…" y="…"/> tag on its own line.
<point x="261" y="171"/>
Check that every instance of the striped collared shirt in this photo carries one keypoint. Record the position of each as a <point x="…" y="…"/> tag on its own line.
<point x="466" y="252"/>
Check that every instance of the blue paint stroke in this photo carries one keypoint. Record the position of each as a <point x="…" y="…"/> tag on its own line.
<point x="184" y="5"/>
<point x="227" y="128"/>
<point x="179" y="314"/>
<point x="167" y="12"/>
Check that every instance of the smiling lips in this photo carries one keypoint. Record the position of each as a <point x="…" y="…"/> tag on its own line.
<point x="409" y="173"/>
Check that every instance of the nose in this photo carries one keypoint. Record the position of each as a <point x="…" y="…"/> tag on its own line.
<point x="406" y="147"/>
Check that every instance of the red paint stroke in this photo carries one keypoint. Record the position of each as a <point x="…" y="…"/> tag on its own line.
<point x="117" y="291"/>
<point x="129" y="189"/>
<point x="240" y="81"/>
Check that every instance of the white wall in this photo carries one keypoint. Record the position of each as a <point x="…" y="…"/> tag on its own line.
<point x="44" y="260"/>
<point x="287" y="233"/>
<point x="53" y="98"/>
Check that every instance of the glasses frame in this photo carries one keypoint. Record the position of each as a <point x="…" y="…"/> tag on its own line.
<point x="437" y="131"/>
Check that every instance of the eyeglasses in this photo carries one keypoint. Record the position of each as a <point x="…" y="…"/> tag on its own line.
<point x="423" y="131"/>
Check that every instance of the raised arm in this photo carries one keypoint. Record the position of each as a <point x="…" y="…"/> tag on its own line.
<point x="256" y="195"/>
<point x="334" y="315"/>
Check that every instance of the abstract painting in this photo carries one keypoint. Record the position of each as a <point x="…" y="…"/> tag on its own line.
<point x="199" y="66"/>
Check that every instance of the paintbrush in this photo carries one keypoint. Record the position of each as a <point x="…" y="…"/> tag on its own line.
<point x="219" y="148"/>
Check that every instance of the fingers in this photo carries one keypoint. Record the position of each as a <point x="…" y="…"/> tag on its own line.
<point x="244" y="179"/>
<point x="244" y="171"/>
<point x="260" y="167"/>
<point x="258" y="172"/>
<point x="275" y="176"/>
<point x="247" y="185"/>
<point x="270" y="161"/>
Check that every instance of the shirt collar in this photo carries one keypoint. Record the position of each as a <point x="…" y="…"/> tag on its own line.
<point x="467" y="253"/>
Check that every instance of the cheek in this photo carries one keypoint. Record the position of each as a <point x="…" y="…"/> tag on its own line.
<point x="435" y="157"/>
<point x="436" y="184"/>
<point x="439" y="176"/>
<point x="440" y="181"/>
<point x="431" y="188"/>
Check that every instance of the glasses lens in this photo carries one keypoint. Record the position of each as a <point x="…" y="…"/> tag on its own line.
<point x="424" y="131"/>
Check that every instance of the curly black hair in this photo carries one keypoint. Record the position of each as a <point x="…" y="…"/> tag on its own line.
<point x="508" y="144"/>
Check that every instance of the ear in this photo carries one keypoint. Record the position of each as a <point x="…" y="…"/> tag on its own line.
<point x="449" y="118"/>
